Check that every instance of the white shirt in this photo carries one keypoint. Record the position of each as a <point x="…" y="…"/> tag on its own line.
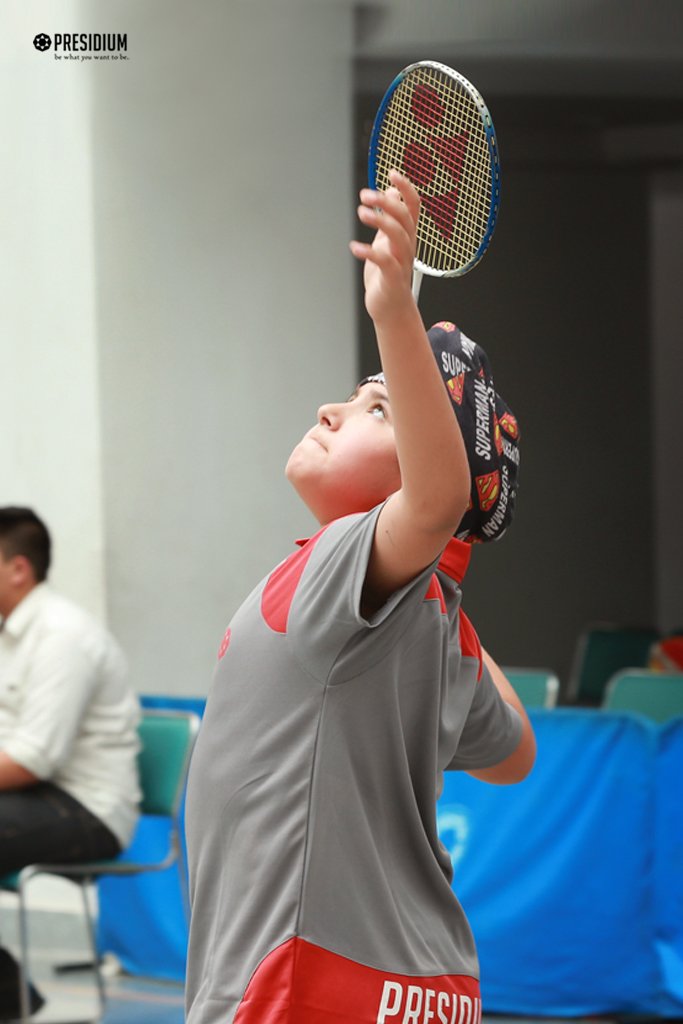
<point x="67" y="713"/>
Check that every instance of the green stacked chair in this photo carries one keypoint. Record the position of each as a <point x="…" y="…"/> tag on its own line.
<point x="535" y="687"/>
<point x="601" y="651"/>
<point x="658" y="695"/>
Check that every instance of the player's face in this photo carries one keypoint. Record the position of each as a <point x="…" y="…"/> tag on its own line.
<point x="347" y="462"/>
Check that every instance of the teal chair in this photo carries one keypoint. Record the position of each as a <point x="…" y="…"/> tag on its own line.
<point x="601" y="651"/>
<point x="535" y="687"/>
<point x="658" y="695"/>
<point x="166" y="742"/>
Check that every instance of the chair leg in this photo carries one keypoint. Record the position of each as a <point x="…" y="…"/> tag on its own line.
<point x="24" y="973"/>
<point x="183" y="874"/>
<point x="24" y="978"/>
<point x="101" y="993"/>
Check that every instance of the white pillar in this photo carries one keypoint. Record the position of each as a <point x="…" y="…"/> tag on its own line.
<point x="223" y="208"/>
<point x="49" y="413"/>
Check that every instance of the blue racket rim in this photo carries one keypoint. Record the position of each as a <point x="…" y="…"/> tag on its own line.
<point x="490" y="134"/>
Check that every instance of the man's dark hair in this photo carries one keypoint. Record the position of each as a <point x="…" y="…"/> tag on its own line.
<point x="23" y="533"/>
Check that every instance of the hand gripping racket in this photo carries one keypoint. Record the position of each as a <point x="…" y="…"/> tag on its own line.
<point x="434" y="127"/>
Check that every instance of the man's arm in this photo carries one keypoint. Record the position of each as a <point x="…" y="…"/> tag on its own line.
<point x="519" y="763"/>
<point x="14" y="775"/>
<point x="417" y="521"/>
<point x="58" y="687"/>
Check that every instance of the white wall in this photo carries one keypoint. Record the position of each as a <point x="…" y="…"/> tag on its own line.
<point x="177" y="299"/>
<point x="49" y="413"/>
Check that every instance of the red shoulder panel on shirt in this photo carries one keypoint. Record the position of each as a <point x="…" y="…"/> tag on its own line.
<point x="455" y="559"/>
<point x="299" y="983"/>
<point x="280" y="588"/>
<point x="435" y="593"/>
<point x="469" y="641"/>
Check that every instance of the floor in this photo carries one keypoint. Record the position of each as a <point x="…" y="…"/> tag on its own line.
<point x="57" y="937"/>
<point x="71" y="998"/>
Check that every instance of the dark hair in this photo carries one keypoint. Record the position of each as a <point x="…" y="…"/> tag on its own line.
<point x="23" y="533"/>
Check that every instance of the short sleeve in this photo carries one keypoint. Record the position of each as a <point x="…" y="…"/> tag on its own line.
<point x="491" y="732"/>
<point x="326" y="626"/>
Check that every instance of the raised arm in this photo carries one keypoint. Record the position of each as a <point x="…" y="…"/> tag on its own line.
<point x="417" y="521"/>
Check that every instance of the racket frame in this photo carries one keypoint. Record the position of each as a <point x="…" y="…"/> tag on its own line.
<point x="421" y="268"/>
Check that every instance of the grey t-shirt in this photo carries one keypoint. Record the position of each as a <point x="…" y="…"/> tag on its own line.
<point x="315" y="865"/>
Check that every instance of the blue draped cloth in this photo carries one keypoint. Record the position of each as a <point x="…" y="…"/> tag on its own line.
<point x="572" y="880"/>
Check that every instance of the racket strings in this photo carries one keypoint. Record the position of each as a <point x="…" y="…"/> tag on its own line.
<point x="451" y="214"/>
<point x="433" y="131"/>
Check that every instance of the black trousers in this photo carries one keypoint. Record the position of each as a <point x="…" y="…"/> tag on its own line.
<point x="44" y="825"/>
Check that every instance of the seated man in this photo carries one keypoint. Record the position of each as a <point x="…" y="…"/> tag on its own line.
<point x="68" y="724"/>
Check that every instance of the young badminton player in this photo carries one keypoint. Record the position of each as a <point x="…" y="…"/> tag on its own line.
<point x="348" y="681"/>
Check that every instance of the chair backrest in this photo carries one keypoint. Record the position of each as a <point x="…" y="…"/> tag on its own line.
<point x="167" y="739"/>
<point x="658" y="695"/>
<point x="535" y="687"/>
<point x="601" y="651"/>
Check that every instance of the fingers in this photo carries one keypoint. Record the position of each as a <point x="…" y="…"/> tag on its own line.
<point x="393" y="215"/>
<point x="361" y="250"/>
<point x="400" y="201"/>
<point x="387" y="214"/>
<point x="381" y="257"/>
<point x="407" y="191"/>
<point x="384" y="219"/>
<point x="371" y="254"/>
<point x="391" y="244"/>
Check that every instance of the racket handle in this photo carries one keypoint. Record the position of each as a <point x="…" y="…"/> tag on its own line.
<point x="417" y="281"/>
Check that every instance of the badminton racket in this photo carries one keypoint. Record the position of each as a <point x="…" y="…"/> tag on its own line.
<point x="434" y="127"/>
